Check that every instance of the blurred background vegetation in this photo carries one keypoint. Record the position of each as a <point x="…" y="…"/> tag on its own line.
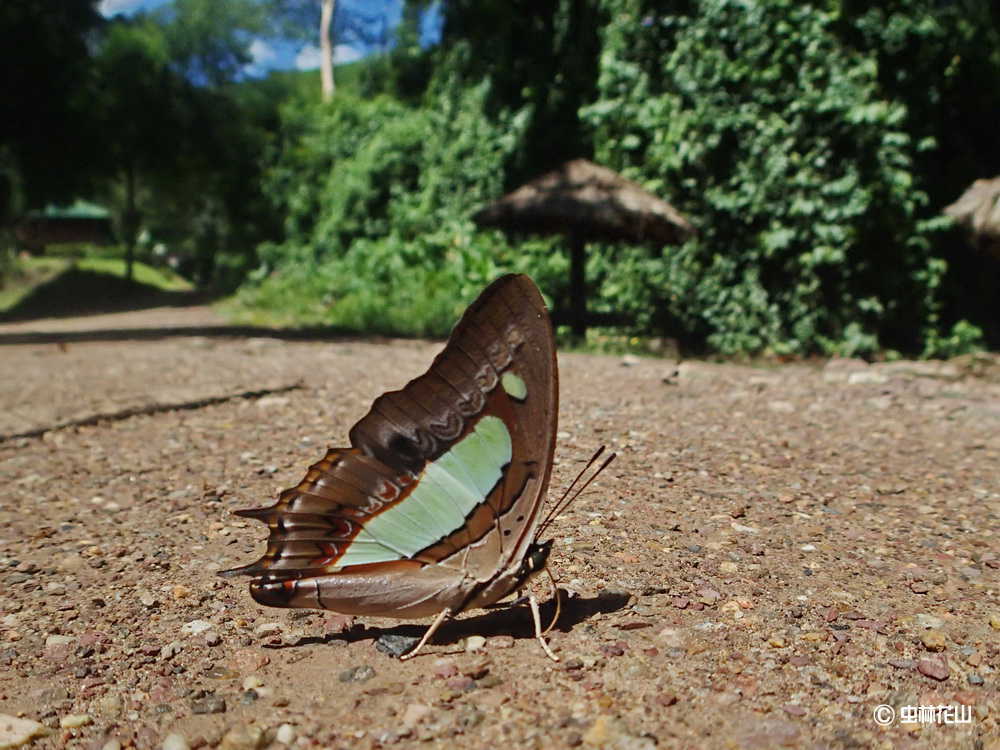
<point x="812" y="144"/>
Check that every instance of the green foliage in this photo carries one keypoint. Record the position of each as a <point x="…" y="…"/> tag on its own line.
<point x="377" y="196"/>
<point x="209" y="40"/>
<point x="964" y="338"/>
<point x="542" y="59"/>
<point x="776" y="137"/>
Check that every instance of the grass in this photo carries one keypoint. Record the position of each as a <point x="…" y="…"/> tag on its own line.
<point x="25" y="275"/>
<point x="161" y="278"/>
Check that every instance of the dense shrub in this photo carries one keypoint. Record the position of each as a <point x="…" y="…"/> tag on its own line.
<point x="378" y="197"/>
<point x="775" y="137"/>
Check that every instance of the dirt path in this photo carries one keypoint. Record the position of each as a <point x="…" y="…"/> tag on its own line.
<point x="775" y="553"/>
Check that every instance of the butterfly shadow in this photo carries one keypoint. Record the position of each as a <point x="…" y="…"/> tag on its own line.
<point x="513" y="619"/>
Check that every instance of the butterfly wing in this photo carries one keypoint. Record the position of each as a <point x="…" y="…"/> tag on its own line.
<point x="437" y="498"/>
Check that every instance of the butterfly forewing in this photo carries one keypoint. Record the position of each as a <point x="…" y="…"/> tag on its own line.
<point x="438" y="496"/>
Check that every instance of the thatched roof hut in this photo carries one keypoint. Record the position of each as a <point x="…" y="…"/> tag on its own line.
<point x="586" y="202"/>
<point x="978" y="210"/>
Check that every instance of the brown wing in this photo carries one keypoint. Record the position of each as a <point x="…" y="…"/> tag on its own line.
<point x="322" y="528"/>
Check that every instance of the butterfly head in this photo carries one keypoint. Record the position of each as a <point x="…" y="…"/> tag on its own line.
<point x="535" y="560"/>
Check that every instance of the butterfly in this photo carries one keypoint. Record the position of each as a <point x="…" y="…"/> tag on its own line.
<point x="435" y="508"/>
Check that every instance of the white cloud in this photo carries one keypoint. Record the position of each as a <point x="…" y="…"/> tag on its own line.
<point x="344" y="53"/>
<point x="112" y="7"/>
<point x="263" y="53"/>
<point x="309" y="56"/>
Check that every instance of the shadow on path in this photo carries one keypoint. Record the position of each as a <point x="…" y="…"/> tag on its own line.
<point x="163" y="332"/>
<point x="505" y="620"/>
<point x="75" y="292"/>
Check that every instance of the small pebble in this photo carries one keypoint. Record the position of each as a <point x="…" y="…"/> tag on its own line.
<point x="180" y="591"/>
<point x="212" y="638"/>
<point x="395" y="645"/>
<point x="210" y="705"/>
<point x="708" y="596"/>
<point x="171" y="650"/>
<point x="195" y="626"/>
<point x="266" y="629"/>
<point x="245" y="737"/>
<point x="933" y="640"/>
<point x="175" y="741"/>
<point x="285" y="734"/>
<point x="474" y="643"/>
<point x="73" y="721"/>
<point x="249" y="660"/>
<point x="926" y="621"/>
<point x="147" y="599"/>
<point x="357" y="674"/>
<point x="633" y="625"/>
<point x="15" y="731"/>
<point x="975" y="678"/>
<point x="936" y="669"/>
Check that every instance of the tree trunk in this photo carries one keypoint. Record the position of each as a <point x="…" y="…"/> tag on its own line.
<point x="326" y="49"/>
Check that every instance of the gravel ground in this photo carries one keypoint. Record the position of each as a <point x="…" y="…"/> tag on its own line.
<point x="776" y="552"/>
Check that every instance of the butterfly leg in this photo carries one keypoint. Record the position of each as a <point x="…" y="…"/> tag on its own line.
<point x="555" y="593"/>
<point x="427" y="635"/>
<point x="538" y="627"/>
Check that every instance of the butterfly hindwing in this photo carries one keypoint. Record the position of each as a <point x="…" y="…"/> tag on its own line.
<point x="440" y="490"/>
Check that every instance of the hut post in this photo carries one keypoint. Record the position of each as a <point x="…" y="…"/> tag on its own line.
<point x="577" y="284"/>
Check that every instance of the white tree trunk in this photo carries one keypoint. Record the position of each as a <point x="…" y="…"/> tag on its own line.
<point x="326" y="49"/>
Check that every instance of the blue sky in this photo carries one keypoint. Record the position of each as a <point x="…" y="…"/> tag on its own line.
<point x="272" y="54"/>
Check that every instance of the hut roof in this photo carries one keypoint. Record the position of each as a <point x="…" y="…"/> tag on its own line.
<point x="582" y="197"/>
<point x="978" y="208"/>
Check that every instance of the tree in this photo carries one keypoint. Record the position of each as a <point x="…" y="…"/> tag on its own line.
<point x="141" y="105"/>
<point x="326" y="49"/>
<point x="540" y="54"/>
<point x="208" y="41"/>
<point x="44" y="64"/>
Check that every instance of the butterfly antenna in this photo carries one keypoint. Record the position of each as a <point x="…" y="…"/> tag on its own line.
<point x="567" y="498"/>
<point x="559" y="503"/>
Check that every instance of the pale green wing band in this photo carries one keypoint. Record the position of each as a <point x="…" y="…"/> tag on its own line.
<point x="447" y="491"/>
